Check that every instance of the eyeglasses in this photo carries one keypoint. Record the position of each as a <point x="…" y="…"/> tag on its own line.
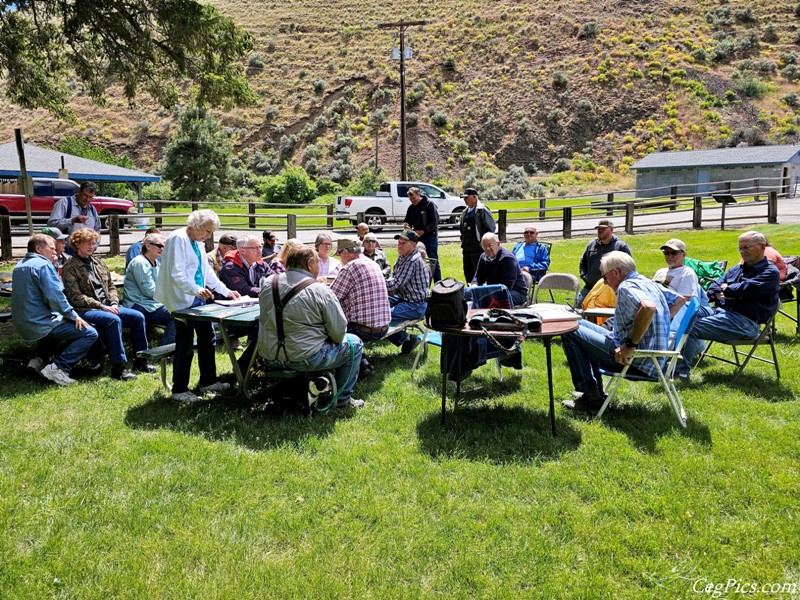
<point x="670" y="252"/>
<point x="746" y="247"/>
<point x="370" y="241"/>
<point x="156" y="245"/>
<point x="606" y="274"/>
<point x="327" y="244"/>
<point x="530" y="233"/>
<point x="251" y="247"/>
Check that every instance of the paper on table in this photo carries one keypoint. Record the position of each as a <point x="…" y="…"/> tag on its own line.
<point x="241" y="301"/>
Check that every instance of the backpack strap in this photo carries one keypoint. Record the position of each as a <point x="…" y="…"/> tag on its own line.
<point x="280" y="304"/>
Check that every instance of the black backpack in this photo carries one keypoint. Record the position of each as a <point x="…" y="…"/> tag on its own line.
<point x="446" y="306"/>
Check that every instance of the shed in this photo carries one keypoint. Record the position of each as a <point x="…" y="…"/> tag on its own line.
<point x="41" y="162"/>
<point x="738" y="171"/>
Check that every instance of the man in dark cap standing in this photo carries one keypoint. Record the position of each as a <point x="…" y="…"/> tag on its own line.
<point x="595" y="250"/>
<point x="422" y="217"/>
<point x="475" y="221"/>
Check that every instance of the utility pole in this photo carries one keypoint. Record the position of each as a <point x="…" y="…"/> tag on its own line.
<point x="402" y="25"/>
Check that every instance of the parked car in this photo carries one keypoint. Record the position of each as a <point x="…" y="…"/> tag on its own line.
<point x="390" y="203"/>
<point x="46" y="192"/>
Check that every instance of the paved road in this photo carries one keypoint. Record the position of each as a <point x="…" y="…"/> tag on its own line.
<point x="738" y="216"/>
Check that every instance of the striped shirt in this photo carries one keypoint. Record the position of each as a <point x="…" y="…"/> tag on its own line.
<point x="361" y="290"/>
<point x="630" y="293"/>
<point x="411" y="280"/>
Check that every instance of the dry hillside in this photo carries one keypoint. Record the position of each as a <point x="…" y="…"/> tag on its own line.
<point x="598" y="83"/>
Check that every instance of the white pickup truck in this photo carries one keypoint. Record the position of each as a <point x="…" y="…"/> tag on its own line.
<point x="390" y="203"/>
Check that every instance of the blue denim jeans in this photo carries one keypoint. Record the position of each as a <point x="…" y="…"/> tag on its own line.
<point x="345" y="358"/>
<point x="109" y="326"/>
<point x="431" y="243"/>
<point x="404" y="311"/>
<point x="80" y="341"/>
<point x="588" y="349"/>
<point x="162" y="317"/>
<point x="722" y="325"/>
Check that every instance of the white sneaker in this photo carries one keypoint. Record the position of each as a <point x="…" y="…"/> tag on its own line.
<point x="36" y="364"/>
<point x="56" y="375"/>
<point x="354" y="402"/>
<point x="186" y="397"/>
<point x="216" y="387"/>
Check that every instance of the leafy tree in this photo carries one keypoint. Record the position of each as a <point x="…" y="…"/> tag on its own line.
<point x="197" y="160"/>
<point x="149" y="45"/>
<point x="291" y="186"/>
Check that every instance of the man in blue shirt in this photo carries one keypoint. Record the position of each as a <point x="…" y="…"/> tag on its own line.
<point x="641" y="321"/>
<point x="533" y="257"/>
<point x="746" y="296"/>
<point x="40" y="311"/>
<point x="76" y="212"/>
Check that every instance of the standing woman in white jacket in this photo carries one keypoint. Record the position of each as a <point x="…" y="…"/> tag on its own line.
<point x="185" y="280"/>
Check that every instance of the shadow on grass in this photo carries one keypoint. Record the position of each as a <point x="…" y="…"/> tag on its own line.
<point x="251" y="425"/>
<point x="496" y="434"/>
<point x="645" y="425"/>
<point x="753" y="384"/>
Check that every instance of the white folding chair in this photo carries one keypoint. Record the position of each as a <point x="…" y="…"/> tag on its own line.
<point x="673" y="355"/>
<point x="565" y="282"/>
<point x="765" y="336"/>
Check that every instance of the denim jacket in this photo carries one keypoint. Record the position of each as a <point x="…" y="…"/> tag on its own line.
<point x="38" y="302"/>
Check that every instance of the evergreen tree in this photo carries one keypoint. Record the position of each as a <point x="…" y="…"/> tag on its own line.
<point x="197" y="161"/>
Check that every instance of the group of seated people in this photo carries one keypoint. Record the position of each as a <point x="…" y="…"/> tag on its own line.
<point x="356" y="297"/>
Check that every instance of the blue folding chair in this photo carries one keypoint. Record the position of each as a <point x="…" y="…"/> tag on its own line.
<point x="673" y="355"/>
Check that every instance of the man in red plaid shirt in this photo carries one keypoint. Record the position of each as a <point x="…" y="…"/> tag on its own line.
<point x="361" y="290"/>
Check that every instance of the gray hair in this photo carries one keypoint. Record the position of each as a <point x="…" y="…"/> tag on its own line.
<point x="489" y="236"/>
<point x="617" y="260"/>
<point x="754" y="236"/>
<point x="414" y="190"/>
<point x="322" y="237"/>
<point x="248" y="240"/>
<point x="151" y="239"/>
<point x="200" y="218"/>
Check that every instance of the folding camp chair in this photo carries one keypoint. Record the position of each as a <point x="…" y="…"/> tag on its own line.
<point x="765" y="336"/>
<point x="672" y="355"/>
<point x="565" y="282"/>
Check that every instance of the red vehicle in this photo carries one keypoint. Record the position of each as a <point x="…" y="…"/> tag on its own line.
<point x="46" y="192"/>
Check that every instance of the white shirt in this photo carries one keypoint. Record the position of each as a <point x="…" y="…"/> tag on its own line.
<point x="681" y="280"/>
<point x="329" y="267"/>
<point x="175" y="287"/>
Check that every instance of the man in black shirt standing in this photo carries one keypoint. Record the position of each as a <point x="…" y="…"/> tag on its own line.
<point x="423" y="217"/>
<point x="605" y="242"/>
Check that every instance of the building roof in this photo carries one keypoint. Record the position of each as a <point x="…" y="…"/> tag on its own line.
<point x="721" y="157"/>
<point x="41" y="162"/>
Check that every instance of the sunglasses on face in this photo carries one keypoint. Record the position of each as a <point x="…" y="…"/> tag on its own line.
<point x="670" y="252"/>
<point x="158" y="245"/>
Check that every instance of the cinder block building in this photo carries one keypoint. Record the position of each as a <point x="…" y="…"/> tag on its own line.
<point x="748" y="170"/>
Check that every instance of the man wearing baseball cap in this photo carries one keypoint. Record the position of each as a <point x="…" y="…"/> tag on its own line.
<point x="474" y="222"/>
<point x="61" y="243"/>
<point x="361" y="290"/>
<point x="676" y="276"/>
<point x="408" y="287"/>
<point x="595" y="250"/>
<point x="422" y="217"/>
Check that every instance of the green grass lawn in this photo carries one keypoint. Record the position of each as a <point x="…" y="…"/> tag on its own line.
<point x="110" y="490"/>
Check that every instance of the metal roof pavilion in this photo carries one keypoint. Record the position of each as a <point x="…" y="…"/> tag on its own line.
<point x="41" y="162"/>
<point x="721" y="157"/>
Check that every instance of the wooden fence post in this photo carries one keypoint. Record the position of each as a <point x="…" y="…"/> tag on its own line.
<point x="697" y="212"/>
<point x="291" y="225"/>
<point x="629" y="208"/>
<point x="7" y="250"/>
<point x="673" y="195"/>
<point x="502" y="224"/>
<point x="757" y="186"/>
<point x="251" y="220"/>
<point x="772" y="207"/>
<point x="542" y="205"/>
<point x="329" y="212"/>
<point x="113" y="235"/>
<point x="610" y="208"/>
<point x="157" y="208"/>
<point x="566" y="230"/>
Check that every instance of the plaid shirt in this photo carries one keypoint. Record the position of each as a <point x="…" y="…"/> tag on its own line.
<point x="633" y="289"/>
<point x="361" y="290"/>
<point x="411" y="280"/>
